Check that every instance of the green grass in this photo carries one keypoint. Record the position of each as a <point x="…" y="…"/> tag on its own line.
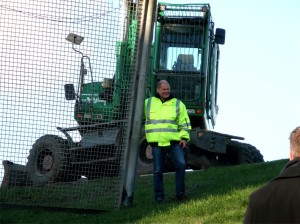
<point x="216" y="195"/>
<point x="80" y="194"/>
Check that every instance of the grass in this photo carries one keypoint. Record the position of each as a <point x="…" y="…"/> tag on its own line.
<point x="80" y="194"/>
<point x="215" y="195"/>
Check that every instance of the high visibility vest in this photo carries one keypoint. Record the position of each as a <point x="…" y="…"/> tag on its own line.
<point x="166" y="122"/>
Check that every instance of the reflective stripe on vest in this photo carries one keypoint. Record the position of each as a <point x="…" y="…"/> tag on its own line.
<point x="163" y="121"/>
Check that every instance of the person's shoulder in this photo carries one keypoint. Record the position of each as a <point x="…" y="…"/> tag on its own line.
<point x="151" y="97"/>
<point x="180" y="102"/>
<point x="265" y="190"/>
<point x="172" y="97"/>
<point x="258" y="195"/>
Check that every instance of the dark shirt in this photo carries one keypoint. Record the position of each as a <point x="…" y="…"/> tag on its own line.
<point x="279" y="200"/>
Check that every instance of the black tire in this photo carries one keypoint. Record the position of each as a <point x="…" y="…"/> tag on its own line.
<point x="240" y="153"/>
<point x="47" y="160"/>
<point x="145" y="159"/>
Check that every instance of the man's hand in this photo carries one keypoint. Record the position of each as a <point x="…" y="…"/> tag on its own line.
<point x="183" y="143"/>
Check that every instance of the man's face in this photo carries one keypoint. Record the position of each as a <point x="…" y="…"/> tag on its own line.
<point x="164" y="91"/>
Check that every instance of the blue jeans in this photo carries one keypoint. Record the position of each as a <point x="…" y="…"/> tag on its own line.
<point x="177" y="156"/>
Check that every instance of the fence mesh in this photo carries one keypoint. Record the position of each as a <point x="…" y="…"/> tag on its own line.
<point x="65" y="93"/>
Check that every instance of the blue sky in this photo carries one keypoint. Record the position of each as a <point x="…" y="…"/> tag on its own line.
<point x="259" y="89"/>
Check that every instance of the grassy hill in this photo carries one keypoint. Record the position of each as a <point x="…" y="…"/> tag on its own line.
<point x="215" y="195"/>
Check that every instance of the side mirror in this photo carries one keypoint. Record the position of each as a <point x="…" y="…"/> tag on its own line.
<point x="70" y="92"/>
<point x="220" y="36"/>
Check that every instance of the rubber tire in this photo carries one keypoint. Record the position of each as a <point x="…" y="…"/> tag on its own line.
<point x="240" y="153"/>
<point x="52" y="147"/>
<point x="145" y="165"/>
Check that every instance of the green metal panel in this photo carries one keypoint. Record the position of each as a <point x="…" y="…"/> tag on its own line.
<point x="103" y="104"/>
<point x="186" y="32"/>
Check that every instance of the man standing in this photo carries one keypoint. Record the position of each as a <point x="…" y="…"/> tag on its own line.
<point x="279" y="201"/>
<point x="167" y="128"/>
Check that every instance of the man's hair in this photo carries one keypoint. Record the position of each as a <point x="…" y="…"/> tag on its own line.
<point x="161" y="82"/>
<point x="295" y="142"/>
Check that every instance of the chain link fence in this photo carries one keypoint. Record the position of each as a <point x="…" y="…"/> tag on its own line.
<point x="66" y="79"/>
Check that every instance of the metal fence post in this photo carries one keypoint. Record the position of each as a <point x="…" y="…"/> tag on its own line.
<point x="142" y="65"/>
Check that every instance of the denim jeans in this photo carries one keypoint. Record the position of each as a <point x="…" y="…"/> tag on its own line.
<point x="177" y="155"/>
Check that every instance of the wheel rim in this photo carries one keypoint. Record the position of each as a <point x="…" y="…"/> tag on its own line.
<point x="149" y="152"/>
<point x="145" y="154"/>
<point x="45" y="161"/>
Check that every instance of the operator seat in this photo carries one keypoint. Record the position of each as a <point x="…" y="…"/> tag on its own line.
<point x="185" y="62"/>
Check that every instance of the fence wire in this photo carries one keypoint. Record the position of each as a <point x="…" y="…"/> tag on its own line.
<point x="64" y="100"/>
